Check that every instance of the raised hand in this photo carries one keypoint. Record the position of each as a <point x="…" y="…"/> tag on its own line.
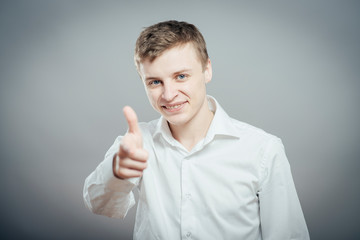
<point x="131" y="159"/>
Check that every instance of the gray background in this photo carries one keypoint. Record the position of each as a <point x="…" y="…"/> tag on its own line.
<point x="66" y="69"/>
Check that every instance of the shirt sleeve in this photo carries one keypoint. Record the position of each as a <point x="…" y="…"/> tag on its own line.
<point x="280" y="210"/>
<point x="105" y="194"/>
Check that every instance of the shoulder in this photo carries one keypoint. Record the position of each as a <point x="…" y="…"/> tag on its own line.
<point x="270" y="147"/>
<point x="257" y="138"/>
<point x="246" y="130"/>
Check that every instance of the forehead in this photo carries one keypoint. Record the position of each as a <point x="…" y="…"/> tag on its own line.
<point x="171" y="60"/>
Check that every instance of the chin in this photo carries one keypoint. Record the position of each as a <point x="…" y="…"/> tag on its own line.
<point x="176" y="120"/>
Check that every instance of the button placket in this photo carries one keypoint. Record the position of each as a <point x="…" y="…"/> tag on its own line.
<point x="186" y="207"/>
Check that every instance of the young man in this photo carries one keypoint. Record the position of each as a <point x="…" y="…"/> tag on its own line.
<point x="200" y="174"/>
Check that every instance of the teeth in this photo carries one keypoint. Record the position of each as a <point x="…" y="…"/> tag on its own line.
<point x="173" y="107"/>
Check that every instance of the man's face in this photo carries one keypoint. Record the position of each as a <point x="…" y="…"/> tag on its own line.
<point x="175" y="85"/>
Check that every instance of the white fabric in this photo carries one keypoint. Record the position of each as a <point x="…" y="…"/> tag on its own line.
<point x="235" y="184"/>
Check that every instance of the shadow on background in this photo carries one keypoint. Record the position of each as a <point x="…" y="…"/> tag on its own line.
<point x="66" y="70"/>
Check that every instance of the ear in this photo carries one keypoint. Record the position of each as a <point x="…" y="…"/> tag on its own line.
<point x="208" y="72"/>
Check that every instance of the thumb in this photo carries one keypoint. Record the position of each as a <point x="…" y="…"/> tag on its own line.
<point x="132" y="120"/>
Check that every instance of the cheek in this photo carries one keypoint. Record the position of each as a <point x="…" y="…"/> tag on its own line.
<point x="198" y="85"/>
<point x="152" y="96"/>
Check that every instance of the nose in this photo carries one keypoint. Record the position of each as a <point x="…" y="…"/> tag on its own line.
<point x="169" y="91"/>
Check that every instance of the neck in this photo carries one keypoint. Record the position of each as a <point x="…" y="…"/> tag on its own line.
<point x="191" y="133"/>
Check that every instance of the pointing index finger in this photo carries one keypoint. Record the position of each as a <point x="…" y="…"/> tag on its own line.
<point x="131" y="119"/>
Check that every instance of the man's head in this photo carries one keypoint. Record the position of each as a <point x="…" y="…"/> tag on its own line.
<point x="173" y="63"/>
<point x="154" y="40"/>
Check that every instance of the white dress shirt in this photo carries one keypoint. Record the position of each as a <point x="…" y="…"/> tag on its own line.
<point x="234" y="184"/>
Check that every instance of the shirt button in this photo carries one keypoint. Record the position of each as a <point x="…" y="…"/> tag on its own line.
<point x="188" y="195"/>
<point x="188" y="234"/>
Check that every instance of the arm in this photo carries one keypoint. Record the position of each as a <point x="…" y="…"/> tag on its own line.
<point x="106" y="194"/>
<point x="280" y="211"/>
<point x="108" y="190"/>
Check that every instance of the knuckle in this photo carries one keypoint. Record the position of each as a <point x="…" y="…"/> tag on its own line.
<point x="126" y="163"/>
<point x="121" y="174"/>
<point x="145" y="165"/>
<point x="122" y="162"/>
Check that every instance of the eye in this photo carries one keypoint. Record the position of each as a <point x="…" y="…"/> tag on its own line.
<point x="181" y="76"/>
<point x="155" y="82"/>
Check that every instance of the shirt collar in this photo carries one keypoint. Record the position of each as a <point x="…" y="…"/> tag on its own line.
<point x="221" y="125"/>
<point x="162" y="128"/>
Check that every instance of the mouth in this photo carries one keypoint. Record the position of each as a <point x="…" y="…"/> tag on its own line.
<point x="173" y="107"/>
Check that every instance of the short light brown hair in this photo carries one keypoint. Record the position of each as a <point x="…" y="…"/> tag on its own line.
<point x="154" y="40"/>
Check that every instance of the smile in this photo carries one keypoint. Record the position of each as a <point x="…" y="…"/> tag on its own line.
<point x="174" y="107"/>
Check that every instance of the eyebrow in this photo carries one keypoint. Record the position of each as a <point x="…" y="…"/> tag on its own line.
<point x="173" y="74"/>
<point x="182" y="70"/>
<point x="151" y="78"/>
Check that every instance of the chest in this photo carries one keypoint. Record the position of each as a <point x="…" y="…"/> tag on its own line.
<point x="223" y="171"/>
